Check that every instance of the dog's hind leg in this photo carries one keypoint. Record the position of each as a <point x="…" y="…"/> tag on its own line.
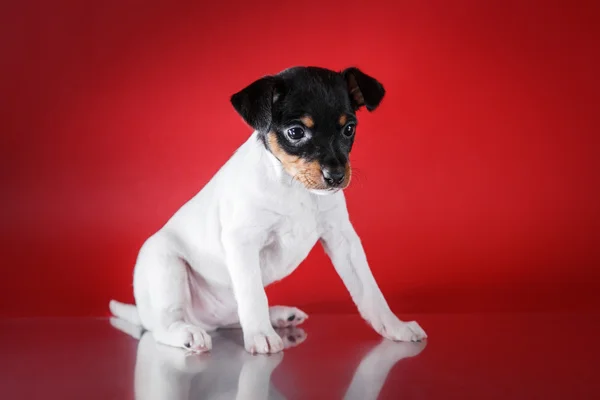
<point x="163" y="298"/>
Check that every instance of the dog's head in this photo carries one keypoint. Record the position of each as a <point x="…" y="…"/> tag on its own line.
<point x="306" y="117"/>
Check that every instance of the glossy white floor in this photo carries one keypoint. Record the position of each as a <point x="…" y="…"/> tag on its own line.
<point x="468" y="356"/>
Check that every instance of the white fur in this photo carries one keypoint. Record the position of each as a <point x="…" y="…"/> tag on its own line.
<point x="250" y="226"/>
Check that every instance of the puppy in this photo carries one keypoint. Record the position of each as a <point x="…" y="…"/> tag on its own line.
<point x="260" y="215"/>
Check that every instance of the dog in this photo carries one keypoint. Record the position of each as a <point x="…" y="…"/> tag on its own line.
<point x="259" y="216"/>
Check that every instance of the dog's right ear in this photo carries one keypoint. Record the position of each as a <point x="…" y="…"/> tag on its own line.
<point x="364" y="90"/>
<point x="254" y="103"/>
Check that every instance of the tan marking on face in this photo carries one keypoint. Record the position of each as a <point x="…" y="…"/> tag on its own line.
<point x="308" y="121"/>
<point x="306" y="172"/>
<point x="343" y="119"/>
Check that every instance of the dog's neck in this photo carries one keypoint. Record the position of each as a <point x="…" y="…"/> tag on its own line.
<point x="258" y="160"/>
<point x="270" y="166"/>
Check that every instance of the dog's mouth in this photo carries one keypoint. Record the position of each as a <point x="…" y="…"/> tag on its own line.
<point x="320" y="181"/>
<point x="325" y="192"/>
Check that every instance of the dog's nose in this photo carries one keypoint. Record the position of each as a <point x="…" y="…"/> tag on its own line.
<point x="333" y="177"/>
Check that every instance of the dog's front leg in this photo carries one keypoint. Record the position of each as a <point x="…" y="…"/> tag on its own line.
<point x="345" y="249"/>
<point x="243" y="264"/>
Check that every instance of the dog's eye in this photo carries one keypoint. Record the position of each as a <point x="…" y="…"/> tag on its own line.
<point x="295" y="133"/>
<point x="349" y="130"/>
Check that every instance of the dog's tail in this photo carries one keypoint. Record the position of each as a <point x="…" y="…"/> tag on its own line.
<point x="128" y="312"/>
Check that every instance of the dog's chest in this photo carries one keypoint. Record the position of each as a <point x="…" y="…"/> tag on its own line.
<point x="290" y="241"/>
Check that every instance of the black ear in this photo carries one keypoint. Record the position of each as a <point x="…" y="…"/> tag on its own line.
<point x="255" y="101"/>
<point x="364" y="90"/>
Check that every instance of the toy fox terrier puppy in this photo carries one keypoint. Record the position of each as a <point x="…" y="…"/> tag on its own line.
<point x="260" y="215"/>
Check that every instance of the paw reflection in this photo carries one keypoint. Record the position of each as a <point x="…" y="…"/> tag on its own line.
<point x="374" y="368"/>
<point x="227" y="372"/>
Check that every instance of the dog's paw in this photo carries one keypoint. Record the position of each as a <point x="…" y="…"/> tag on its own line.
<point x="393" y="351"/>
<point x="292" y="336"/>
<point x="186" y="336"/>
<point x="282" y="316"/>
<point x="392" y="328"/>
<point x="197" y="339"/>
<point x="266" y="342"/>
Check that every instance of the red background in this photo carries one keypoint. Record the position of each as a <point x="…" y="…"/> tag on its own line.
<point x="477" y="181"/>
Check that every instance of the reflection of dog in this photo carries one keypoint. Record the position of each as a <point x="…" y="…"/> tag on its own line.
<point x="229" y="372"/>
<point x="259" y="217"/>
<point x="374" y="368"/>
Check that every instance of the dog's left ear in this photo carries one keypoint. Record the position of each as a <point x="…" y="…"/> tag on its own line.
<point x="254" y="103"/>
<point x="364" y="90"/>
